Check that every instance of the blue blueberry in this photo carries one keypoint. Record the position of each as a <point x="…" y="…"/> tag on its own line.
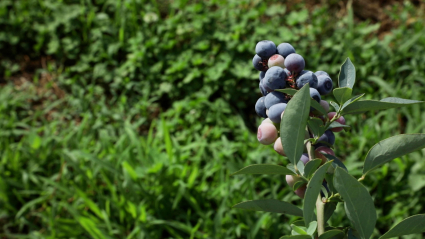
<point x="306" y="77"/>
<point x="262" y="74"/>
<point x="288" y="73"/>
<point x="262" y="89"/>
<point x="304" y="158"/>
<point x="315" y="95"/>
<point x="294" y="62"/>
<point x="328" y="137"/>
<point x="260" y="108"/>
<point x="284" y="49"/>
<point x="273" y="98"/>
<point x="259" y="63"/>
<point x="319" y="73"/>
<point x="265" y="49"/>
<point x="325" y="84"/>
<point x="275" y="78"/>
<point x="275" y="112"/>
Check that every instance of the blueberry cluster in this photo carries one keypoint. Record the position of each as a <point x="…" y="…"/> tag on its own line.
<point x="281" y="67"/>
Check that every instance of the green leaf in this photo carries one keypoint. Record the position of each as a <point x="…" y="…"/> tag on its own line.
<point x="335" y="105"/>
<point x="387" y="103"/>
<point x="299" y="230"/>
<point x="312" y="228"/>
<point x="294" y="121"/>
<point x="391" y="148"/>
<point x="357" y="201"/>
<point x="311" y="167"/>
<point x="318" y="107"/>
<point x="352" y="100"/>
<point x="300" y="167"/>
<point x="336" y="162"/>
<point x="411" y="225"/>
<point x="342" y="94"/>
<point x="329" y="180"/>
<point x="347" y="75"/>
<point x="329" y="209"/>
<point x="298" y="223"/>
<point x="313" y="190"/>
<point x="332" y="234"/>
<point x="264" y="169"/>
<point x="352" y="234"/>
<point x="337" y="125"/>
<point x="270" y="205"/>
<point x="291" y="167"/>
<point x="288" y="91"/>
<point x="299" y="184"/>
<point x="297" y="237"/>
<point x="316" y="126"/>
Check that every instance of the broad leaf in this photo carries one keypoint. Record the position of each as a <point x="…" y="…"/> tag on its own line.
<point x="335" y="105"/>
<point x="329" y="180"/>
<point x="411" y="225"/>
<point x="264" y="169"/>
<point x="318" y="107"/>
<point x="391" y="148"/>
<point x="298" y="223"/>
<point x="357" y="201"/>
<point x="270" y="205"/>
<point x="299" y="230"/>
<point x="332" y="234"/>
<point x="316" y="126"/>
<point x="294" y="121"/>
<point x="329" y="209"/>
<point x="288" y="91"/>
<point x="387" y="103"/>
<point x="296" y="237"/>
<point x="313" y="190"/>
<point x="291" y="167"/>
<point x="352" y="100"/>
<point x="312" y="228"/>
<point x="299" y="184"/>
<point x="347" y="75"/>
<point x="342" y="94"/>
<point x="311" y="167"/>
<point x="337" y="125"/>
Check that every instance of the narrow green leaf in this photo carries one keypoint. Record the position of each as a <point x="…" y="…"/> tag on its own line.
<point x="299" y="184"/>
<point x="391" y="148"/>
<point x="316" y="126"/>
<point x="387" y="103"/>
<point x="291" y="167"/>
<point x="411" y="225"/>
<point x="311" y="167"/>
<point x="357" y="201"/>
<point x="264" y="169"/>
<point x="288" y="91"/>
<point x="312" y="228"/>
<point x="299" y="230"/>
<point x="296" y="237"/>
<point x="298" y="223"/>
<point x="332" y="234"/>
<point x="329" y="180"/>
<point x="342" y="94"/>
<point x="337" y="125"/>
<point x="347" y="75"/>
<point x="335" y="105"/>
<point x="329" y="209"/>
<point x="293" y="124"/>
<point x="270" y="205"/>
<point x="318" y="107"/>
<point x="352" y="100"/>
<point x="313" y="190"/>
<point x="300" y="167"/>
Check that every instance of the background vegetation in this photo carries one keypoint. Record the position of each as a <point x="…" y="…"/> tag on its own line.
<point x="125" y="118"/>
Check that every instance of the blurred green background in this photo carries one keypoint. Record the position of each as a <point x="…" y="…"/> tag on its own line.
<point x="125" y="118"/>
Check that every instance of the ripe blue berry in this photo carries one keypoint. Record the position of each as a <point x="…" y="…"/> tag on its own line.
<point x="319" y="73"/>
<point x="294" y="62"/>
<point x="262" y="74"/>
<point x="328" y="137"/>
<point x="263" y="90"/>
<point x="284" y="49"/>
<point x="275" y="78"/>
<point x="306" y="77"/>
<point x="265" y="49"/>
<point x="275" y="112"/>
<point x="324" y="85"/>
<point x="260" y="108"/>
<point x="315" y="95"/>
<point x="259" y="63"/>
<point x="273" y="98"/>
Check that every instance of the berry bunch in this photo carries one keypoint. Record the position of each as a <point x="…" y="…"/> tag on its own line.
<point x="281" y="67"/>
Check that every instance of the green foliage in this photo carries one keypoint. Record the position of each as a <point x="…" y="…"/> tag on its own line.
<point x="264" y="169"/>
<point x="410" y="225"/>
<point x="347" y="75"/>
<point x="270" y="205"/>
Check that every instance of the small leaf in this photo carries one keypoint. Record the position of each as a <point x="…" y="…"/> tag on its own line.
<point x="299" y="223"/>
<point x="299" y="184"/>
<point x="347" y="75"/>
<point x="329" y="180"/>
<point x="391" y="148"/>
<point x="264" y="169"/>
<point x="387" y="103"/>
<point x="318" y="107"/>
<point x="313" y="190"/>
<point x="270" y="205"/>
<point x="332" y="234"/>
<point x="337" y="125"/>
<point x="411" y="225"/>
<point x="291" y="167"/>
<point x="335" y="105"/>
<point x="342" y="94"/>
<point x="329" y="209"/>
<point x="288" y="91"/>
<point x="296" y="237"/>
<point x="352" y="100"/>
<point x="357" y="201"/>
<point x="294" y="121"/>
<point x="316" y="126"/>
<point x="299" y="230"/>
<point x="311" y="167"/>
<point x="312" y="228"/>
<point x="300" y="167"/>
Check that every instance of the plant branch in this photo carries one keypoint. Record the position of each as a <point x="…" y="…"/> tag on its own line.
<point x="320" y="207"/>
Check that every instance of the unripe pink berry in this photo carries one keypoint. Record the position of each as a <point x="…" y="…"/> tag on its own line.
<point x="301" y="191"/>
<point x="340" y="120"/>
<point x="325" y="105"/>
<point x="267" y="120"/>
<point x="278" y="147"/>
<point x="276" y="60"/>
<point x="267" y="133"/>
<point x="319" y="150"/>
<point x="292" y="179"/>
